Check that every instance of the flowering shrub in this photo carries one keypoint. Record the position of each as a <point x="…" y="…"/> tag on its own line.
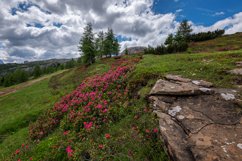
<point x="20" y="152"/>
<point x="93" y="104"/>
<point x="97" y="121"/>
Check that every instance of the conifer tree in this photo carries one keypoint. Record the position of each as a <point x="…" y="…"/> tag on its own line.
<point x="87" y="45"/>
<point x="37" y="71"/>
<point x="111" y="45"/>
<point x="108" y="42"/>
<point x="169" y="40"/>
<point x="184" y="31"/>
<point x="116" y="47"/>
<point x="99" y="44"/>
<point x="126" y="51"/>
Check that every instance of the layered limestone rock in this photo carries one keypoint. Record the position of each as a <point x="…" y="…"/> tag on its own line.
<point x="196" y="121"/>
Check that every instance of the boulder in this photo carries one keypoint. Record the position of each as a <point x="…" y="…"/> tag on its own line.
<point x="198" y="123"/>
<point x="181" y="88"/>
<point x="163" y="87"/>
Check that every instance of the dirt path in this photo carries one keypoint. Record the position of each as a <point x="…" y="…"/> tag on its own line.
<point x="15" y="88"/>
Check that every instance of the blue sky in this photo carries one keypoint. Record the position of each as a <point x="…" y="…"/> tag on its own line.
<point x="36" y="30"/>
<point x="202" y="12"/>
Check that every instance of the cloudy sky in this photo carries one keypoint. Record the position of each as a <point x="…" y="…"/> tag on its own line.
<point x="44" y="29"/>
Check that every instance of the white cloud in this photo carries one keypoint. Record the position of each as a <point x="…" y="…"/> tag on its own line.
<point x="231" y="24"/>
<point x="218" y="13"/>
<point x="179" y="10"/>
<point x="129" y="18"/>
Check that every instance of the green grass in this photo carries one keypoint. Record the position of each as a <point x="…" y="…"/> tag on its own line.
<point x="224" y="43"/>
<point x="212" y="67"/>
<point x="122" y="144"/>
<point x="18" y="109"/>
<point x="13" y="142"/>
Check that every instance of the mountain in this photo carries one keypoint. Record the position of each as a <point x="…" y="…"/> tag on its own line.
<point x="134" y="50"/>
<point x="1" y="62"/>
<point x="29" y="66"/>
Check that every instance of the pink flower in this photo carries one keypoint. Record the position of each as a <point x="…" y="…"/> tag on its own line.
<point x="87" y="125"/>
<point x="105" y="110"/>
<point x="30" y="158"/>
<point x="101" y="146"/>
<point x="155" y="130"/>
<point x="69" y="151"/>
<point x="17" y="151"/>
<point x="147" y="131"/>
<point x="99" y="106"/>
<point x="65" y="108"/>
<point x="89" y="104"/>
<point x="19" y="159"/>
<point x="107" y="136"/>
<point x="66" y="132"/>
<point x="87" y="109"/>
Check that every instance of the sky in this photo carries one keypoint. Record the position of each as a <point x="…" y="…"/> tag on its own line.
<point x="37" y="30"/>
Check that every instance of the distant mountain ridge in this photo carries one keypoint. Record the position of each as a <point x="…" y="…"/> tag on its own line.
<point x="28" y="66"/>
<point x="1" y="62"/>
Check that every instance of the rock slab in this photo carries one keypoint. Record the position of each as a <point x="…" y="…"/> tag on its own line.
<point x="197" y="125"/>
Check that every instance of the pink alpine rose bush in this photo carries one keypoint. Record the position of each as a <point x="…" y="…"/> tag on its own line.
<point x="94" y="103"/>
<point x="99" y="121"/>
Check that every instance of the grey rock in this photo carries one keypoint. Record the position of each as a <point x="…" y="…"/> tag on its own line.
<point x="227" y="96"/>
<point x="163" y="87"/>
<point x="174" y="139"/>
<point x="205" y="126"/>
<point x="207" y="90"/>
<point x="237" y="71"/>
<point x="203" y="83"/>
<point x="177" y="78"/>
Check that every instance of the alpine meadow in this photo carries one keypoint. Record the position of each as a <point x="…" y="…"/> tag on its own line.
<point x="109" y="80"/>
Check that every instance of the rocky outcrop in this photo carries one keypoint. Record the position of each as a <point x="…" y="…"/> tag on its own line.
<point x="198" y="122"/>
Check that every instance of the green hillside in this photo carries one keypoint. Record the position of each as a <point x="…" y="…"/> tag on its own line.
<point x="128" y="129"/>
<point x="224" y="43"/>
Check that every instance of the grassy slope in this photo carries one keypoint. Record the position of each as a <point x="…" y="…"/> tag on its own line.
<point x="208" y="66"/>
<point x="224" y="43"/>
<point x="18" y="109"/>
